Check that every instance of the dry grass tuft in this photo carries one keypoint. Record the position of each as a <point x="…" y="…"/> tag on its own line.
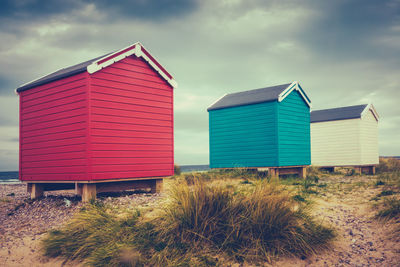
<point x="253" y="221"/>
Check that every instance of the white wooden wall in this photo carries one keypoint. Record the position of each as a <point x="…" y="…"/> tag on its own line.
<point x="345" y="142"/>
<point x="335" y="143"/>
<point x="369" y="139"/>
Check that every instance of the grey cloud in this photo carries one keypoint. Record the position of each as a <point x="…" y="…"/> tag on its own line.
<point x="350" y="29"/>
<point x="35" y="10"/>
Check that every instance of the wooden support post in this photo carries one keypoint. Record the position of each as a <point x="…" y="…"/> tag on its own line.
<point x="36" y="190"/>
<point x="156" y="186"/>
<point x="302" y="172"/>
<point x="78" y="189"/>
<point x="358" y="170"/>
<point x="273" y="172"/>
<point x="88" y="192"/>
<point x="372" y="170"/>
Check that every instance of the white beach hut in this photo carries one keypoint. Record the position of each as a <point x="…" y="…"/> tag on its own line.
<point x="345" y="136"/>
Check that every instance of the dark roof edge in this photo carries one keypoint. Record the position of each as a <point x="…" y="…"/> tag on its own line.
<point x="350" y="118"/>
<point x="55" y="78"/>
<point x="240" y="105"/>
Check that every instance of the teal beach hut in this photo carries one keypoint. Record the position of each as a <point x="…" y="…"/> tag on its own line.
<point x="267" y="127"/>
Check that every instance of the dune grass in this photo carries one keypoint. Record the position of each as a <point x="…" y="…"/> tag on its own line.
<point x="201" y="224"/>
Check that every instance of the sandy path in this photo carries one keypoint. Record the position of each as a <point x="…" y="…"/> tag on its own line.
<point x="361" y="240"/>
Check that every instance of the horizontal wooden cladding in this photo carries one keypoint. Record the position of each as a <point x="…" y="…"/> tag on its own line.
<point x="53" y="117"/>
<point x="129" y="93"/>
<point x="130" y="101"/>
<point x="250" y="120"/>
<point x="54" y="98"/>
<point x="129" y="113"/>
<point x="55" y="143"/>
<point x="243" y="157"/>
<point x="56" y="123"/>
<point x="53" y="137"/>
<point x="132" y="154"/>
<point x="130" y="106"/>
<point x="128" y="87"/>
<point x="54" y="163"/>
<point x="54" y="150"/>
<point x="81" y="176"/>
<point x="56" y="92"/>
<point x="131" y="133"/>
<point x="81" y="104"/>
<point x="53" y="86"/>
<point x="137" y="64"/>
<point x="127" y="147"/>
<point x="131" y="161"/>
<point x="56" y="103"/>
<point x="130" y="80"/>
<point x="125" y="71"/>
<point x="46" y="158"/>
<point x="126" y="126"/>
<point x="128" y="140"/>
<point x="133" y="174"/>
<point x="54" y="170"/>
<point x="131" y="120"/>
<point x="269" y="127"/>
<point x="55" y="130"/>
<point x="130" y="167"/>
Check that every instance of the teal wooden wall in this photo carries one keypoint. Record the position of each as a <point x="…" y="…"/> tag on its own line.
<point x="294" y="131"/>
<point x="261" y="135"/>
<point x="244" y="136"/>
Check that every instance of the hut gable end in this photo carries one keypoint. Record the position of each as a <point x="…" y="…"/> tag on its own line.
<point x="267" y="127"/>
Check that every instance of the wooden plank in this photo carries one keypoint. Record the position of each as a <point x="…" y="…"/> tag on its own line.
<point x="129" y="113"/>
<point x="88" y="192"/>
<point x="131" y="80"/>
<point x="131" y="107"/>
<point x="157" y="186"/>
<point x="131" y="126"/>
<point x="131" y="101"/>
<point x="36" y="191"/>
<point x="131" y="141"/>
<point x="131" y="120"/>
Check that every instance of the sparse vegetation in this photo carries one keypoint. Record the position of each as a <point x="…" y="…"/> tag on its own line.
<point x="388" y="165"/>
<point x="247" y="220"/>
<point x="177" y="169"/>
<point x="391" y="208"/>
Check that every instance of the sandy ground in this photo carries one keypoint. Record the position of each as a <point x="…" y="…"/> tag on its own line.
<point x="23" y="222"/>
<point x="361" y="239"/>
<point x="345" y="204"/>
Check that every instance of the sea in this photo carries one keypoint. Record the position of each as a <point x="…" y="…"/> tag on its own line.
<point x="12" y="177"/>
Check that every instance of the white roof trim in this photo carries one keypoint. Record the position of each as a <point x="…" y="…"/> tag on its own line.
<point x="293" y="86"/>
<point x="373" y="110"/>
<point x="134" y="49"/>
<point x="216" y="101"/>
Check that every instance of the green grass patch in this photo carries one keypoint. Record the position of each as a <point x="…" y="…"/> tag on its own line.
<point x="385" y="193"/>
<point x="391" y="208"/>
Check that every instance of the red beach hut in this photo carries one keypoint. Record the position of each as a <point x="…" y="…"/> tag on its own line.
<point x="102" y="125"/>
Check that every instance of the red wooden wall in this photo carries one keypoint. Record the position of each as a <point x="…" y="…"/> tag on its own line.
<point x="115" y="123"/>
<point x="53" y="130"/>
<point x="131" y="122"/>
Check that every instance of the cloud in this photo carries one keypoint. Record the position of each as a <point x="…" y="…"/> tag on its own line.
<point x="44" y="10"/>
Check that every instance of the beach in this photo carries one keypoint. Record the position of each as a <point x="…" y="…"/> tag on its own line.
<point x="24" y="222"/>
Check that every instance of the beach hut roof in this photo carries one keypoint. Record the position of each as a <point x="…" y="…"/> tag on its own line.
<point x="98" y="63"/>
<point x="278" y="92"/>
<point x="342" y="113"/>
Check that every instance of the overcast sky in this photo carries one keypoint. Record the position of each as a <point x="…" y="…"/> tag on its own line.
<point x="341" y="52"/>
